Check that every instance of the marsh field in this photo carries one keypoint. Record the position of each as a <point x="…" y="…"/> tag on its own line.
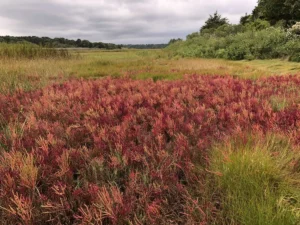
<point x="25" y="74"/>
<point x="146" y="137"/>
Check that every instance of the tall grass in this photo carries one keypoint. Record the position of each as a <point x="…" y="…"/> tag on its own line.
<point x="30" y="51"/>
<point x="256" y="182"/>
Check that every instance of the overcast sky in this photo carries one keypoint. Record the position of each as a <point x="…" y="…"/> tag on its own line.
<point x="115" y="21"/>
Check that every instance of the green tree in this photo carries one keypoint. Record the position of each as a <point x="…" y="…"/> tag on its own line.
<point x="245" y="19"/>
<point x="293" y="7"/>
<point x="172" y="41"/>
<point x="85" y="44"/>
<point x="78" y="42"/>
<point x="214" y="21"/>
<point x="276" y="10"/>
<point x="257" y="25"/>
<point x="192" y="35"/>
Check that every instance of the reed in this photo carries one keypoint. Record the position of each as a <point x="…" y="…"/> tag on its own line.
<point x="30" y="51"/>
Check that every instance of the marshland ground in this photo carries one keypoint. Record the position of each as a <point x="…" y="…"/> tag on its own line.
<point x="99" y="150"/>
<point x="138" y="64"/>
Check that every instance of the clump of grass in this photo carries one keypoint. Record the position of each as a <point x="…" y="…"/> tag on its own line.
<point x="278" y="103"/>
<point x="256" y="182"/>
<point x="30" y="51"/>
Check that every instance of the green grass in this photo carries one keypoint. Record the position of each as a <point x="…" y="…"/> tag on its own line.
<point x="273" y="66"/>
<point x="256" y="182"/>
<point x="279" y="103"/>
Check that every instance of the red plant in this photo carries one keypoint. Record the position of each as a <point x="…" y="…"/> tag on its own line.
<point x="111" y="151"/>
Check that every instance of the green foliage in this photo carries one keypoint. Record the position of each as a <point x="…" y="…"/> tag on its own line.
<point x="172" y="41"/>
<point x="245" y="19"/>
<point x="223" y="31"/>
<point x="276" y="10"/>
<point x="261" y="35"/>
<point x="257" y="25"/>
<point x="255" y="40"/>
<point x="295" y="57"/>
<point x="192" y="35"/>
<point x="296" y="29"/>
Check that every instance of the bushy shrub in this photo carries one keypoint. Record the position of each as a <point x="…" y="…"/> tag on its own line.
<point x="296" y="28"/>
<point x="192" y="35"/>
<point x="265" y="43"/>
<point x="257" y="25"/>
<point x="295" y="57"/>
<point x="237" y="51"/>
<point x="291" y="49"/>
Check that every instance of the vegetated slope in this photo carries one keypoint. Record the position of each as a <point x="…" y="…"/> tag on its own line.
<point x="236" y="42"/>
<point x="264" y="34"/>
<point x="119" y="151"/>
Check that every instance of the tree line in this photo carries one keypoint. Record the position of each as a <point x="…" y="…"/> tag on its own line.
<point x="146" y="46"/>
<point x="66" y="43"/>
<point x="58" y="42"/>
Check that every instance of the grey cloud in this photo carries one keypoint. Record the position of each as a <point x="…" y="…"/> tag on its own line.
<point x="117" y="21"/>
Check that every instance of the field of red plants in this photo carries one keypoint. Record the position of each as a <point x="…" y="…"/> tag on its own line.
<point x="122" y="151"/>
